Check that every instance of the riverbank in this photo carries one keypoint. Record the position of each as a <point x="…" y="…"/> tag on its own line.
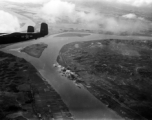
<point x="69" y="74"/>
<point x="82" y="104"/>
<point x="25" y="95"/>
<point x="102" y="66"/>
<point x="74" y="34"/>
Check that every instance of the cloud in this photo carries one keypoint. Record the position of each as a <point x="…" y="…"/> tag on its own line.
<point x="133" y="16"/>
<point x="130" y="16"/>
<point x="8" y="22"/>
<point x="136" y="3"/>
<point x="129" y="26"/>
<point x="57" y="10"/>
<point x="29" y="1"/>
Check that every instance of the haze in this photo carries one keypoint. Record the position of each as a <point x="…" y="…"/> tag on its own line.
<point x="114" y="16"/>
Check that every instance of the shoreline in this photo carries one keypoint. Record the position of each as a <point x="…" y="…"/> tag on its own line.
<point x="67" y="60"/>
<point x="34" y="50"/>
<point x="106" y="100"/>
<point x="30" y="94"/>
<point x="70" y="75"/>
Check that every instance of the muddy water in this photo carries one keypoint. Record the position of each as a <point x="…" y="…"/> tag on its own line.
<point x="82" y="104"/>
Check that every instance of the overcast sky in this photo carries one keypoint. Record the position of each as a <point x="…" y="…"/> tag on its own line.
<point x="136" y="3"/>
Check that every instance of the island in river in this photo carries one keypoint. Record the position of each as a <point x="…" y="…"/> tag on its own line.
<point x="117" y="72"/>
<point x="24" y="95"/>
<point x="35" y="50"/>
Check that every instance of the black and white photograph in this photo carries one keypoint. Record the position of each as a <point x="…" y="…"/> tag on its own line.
<point x="75" y="59"/>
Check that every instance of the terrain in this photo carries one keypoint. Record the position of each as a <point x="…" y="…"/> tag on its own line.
<point x="25" y="95"/>
<point x="30" y="14"/>
<point x="35" y="50"/>
<point x="117" y="72"/>
<point x="72" y="35"/>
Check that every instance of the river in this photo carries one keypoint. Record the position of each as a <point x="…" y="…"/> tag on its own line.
<point x="82" y="104"/>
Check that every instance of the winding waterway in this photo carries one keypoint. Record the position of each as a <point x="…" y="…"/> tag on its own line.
<point x="82" y="104"/>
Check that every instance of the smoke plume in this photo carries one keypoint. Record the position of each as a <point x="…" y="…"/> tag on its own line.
<point x="8" y="22"/>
